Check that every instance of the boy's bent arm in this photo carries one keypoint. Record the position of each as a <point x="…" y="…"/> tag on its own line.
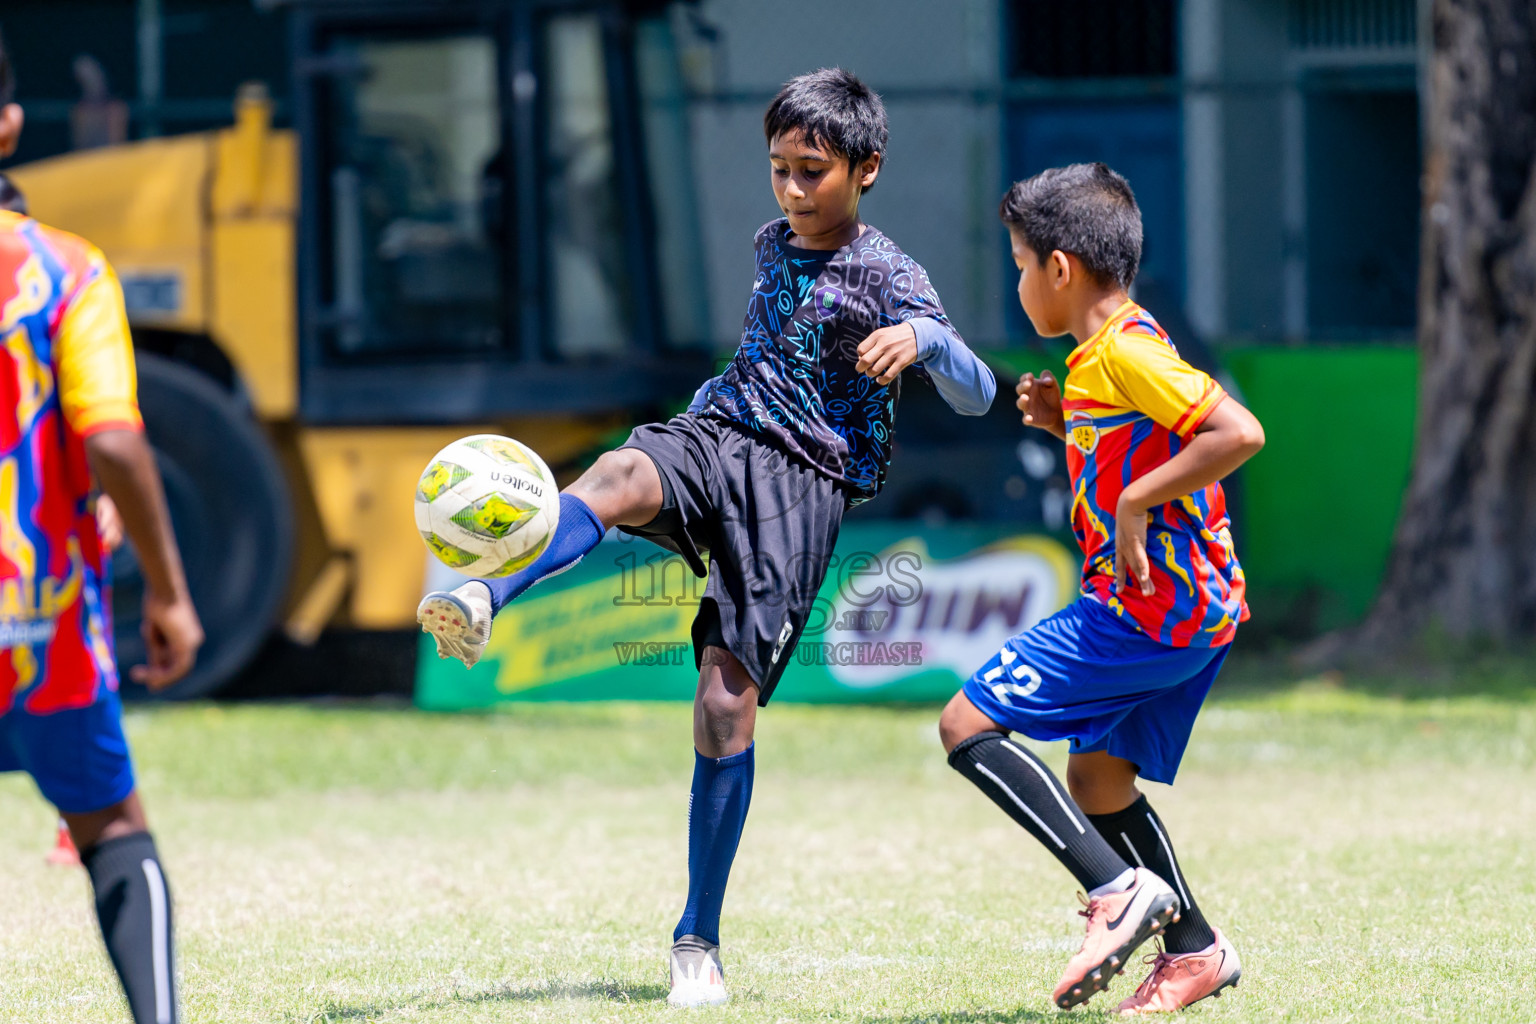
<point x="1229" y="437"/>
<point x="124" y="465"/>
<point x="961" y="378"/>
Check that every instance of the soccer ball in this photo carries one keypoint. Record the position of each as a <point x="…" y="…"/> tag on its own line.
<point x="486" y="505"/>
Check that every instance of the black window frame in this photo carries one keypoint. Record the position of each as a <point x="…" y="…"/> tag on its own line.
<point x="317" y="205"/>
<point x="1026" y="59"/>
<point x="524" y="376"/>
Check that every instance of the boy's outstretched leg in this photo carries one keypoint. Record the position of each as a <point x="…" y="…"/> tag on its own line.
<point x="1197" y="960"/>
<point x="724" y="716"/>
<point x="133" y="905"/>
<point x="1126" y="905"/>
<point x="623" y="488"/>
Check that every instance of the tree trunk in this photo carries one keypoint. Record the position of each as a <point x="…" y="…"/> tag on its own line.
<point x="1464" y="557"/>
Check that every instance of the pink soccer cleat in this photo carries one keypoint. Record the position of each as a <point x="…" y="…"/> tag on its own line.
<point x="1117" y="924"/>
<point x="1180" y="980"/>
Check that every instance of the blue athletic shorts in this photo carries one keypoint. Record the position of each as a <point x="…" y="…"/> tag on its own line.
<point x="78" y="757"/>
<point x="1083" y="675"/>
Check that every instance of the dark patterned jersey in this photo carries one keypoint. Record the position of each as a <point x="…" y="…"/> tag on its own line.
<point x="793" y="378"/>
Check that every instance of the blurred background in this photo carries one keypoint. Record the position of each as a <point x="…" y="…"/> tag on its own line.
<point x="352" y="230"/>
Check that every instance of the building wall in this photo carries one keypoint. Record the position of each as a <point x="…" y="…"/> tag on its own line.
<point x="1301" y="166"/>
<point x="1254" y="244"/>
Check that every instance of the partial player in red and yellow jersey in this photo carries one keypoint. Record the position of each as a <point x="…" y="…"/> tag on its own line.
<point x="1122" y="671"/>
<point x="69" y="423"/>
<point x="1130" y="405"/>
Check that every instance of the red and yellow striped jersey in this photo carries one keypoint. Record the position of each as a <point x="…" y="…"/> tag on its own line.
<point x="66" y="372"/>
<point x="1130" y="404"/>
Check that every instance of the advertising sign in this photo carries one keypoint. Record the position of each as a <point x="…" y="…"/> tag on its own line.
<point x="906" y="613"/>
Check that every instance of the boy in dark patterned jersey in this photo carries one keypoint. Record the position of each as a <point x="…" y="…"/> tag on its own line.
<point x="796" y="377"/>
<point x="757" y="474"/>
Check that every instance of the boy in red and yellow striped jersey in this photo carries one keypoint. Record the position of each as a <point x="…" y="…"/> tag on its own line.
<point x="69" y="422"/>
<point x="1121" y="672"/>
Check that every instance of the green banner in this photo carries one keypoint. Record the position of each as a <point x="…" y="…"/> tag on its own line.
<point x="907" y="612"/>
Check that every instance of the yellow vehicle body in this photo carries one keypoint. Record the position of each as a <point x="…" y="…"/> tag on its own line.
<point x="208" y="221"/>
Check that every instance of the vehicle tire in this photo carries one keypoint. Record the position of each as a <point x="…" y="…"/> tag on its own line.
<point x="230" y="507"/>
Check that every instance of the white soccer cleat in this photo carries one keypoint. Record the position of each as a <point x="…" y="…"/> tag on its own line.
<point x="459" y="620"/>
<point x="697" y="977"/>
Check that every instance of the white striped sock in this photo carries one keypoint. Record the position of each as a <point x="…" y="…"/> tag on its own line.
<point x="160" y="939"/>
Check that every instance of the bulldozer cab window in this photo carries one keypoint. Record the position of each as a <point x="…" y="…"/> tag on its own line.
<point x="416" y="200"/>
<point x="589" y="282"/>
<point x="496" y="211"/>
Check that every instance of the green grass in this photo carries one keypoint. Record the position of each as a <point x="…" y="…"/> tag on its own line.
<point x="1371" y="856"/>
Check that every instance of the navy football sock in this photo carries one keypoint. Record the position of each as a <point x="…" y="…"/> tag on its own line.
<point x="1021" y="784"/>
<point x="717" y="810"/>
<point x="578" y="533"/>
<point x="1138" y="834"/>
<point x="134" y="907"/>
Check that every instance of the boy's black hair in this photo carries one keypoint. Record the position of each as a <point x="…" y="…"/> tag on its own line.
<point x="7" y="78"/>
<point x="832" y="108"/>
<point x="1086" y="210"/>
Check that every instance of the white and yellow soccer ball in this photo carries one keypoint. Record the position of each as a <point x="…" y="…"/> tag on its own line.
<point x="486" y="505"/>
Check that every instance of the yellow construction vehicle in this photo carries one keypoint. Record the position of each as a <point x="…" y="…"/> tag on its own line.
<point x="458" y="234"/>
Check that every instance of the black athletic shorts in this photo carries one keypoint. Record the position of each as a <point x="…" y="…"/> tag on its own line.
<point x="767" y="524"/>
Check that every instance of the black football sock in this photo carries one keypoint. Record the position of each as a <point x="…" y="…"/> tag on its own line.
<point x="133" y="905"/>
<point x="1021" y="784"/>
<point x="1137" y="833"/>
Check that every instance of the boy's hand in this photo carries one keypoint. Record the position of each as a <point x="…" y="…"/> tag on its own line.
<point x="1227" y="438"/>
<point x="172" y="635"/>
<point x="1040" y="402"/>
<point x="888" y="351"/>
<point x="109" y="525"/>
<point x="1131" y="562"/>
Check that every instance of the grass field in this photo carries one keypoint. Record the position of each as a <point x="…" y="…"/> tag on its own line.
<point x="1371" y="856"/>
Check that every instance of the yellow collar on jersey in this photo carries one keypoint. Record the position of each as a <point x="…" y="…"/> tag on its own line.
<point x="1103" y="332"/>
